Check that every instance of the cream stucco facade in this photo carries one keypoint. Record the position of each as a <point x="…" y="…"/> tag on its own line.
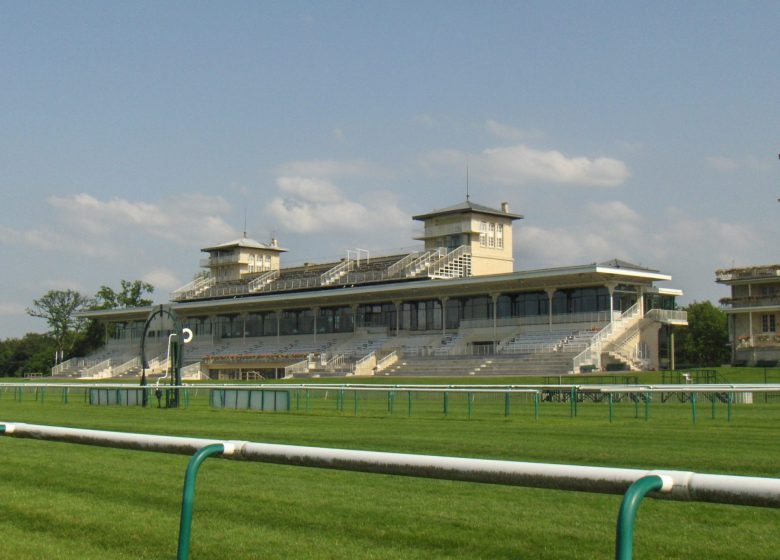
<point x="753" y="309"/>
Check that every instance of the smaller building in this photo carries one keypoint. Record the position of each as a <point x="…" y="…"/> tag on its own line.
<point x="753" y="310"/>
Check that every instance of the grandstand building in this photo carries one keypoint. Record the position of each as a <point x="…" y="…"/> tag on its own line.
<point x="753" y="311"/>
<point x="455" y="306"/>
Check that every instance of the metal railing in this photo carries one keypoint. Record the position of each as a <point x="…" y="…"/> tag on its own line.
<point x="194" y="288"/>
<point x="668" y="316"/>
<point x="127" y="366"/>
<point x="632" y="483"/>
<point x="332" y="275"/>
<point x="592" y="354"/>
<point x="263" y="280"/>
<point x="101" y="369"/>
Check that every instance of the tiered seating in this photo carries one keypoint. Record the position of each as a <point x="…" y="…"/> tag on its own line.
<point x="533" y="364"/>
<point x="536" y="341"/>
<point x="361" y="346"/>
<point x="536" y="350"/>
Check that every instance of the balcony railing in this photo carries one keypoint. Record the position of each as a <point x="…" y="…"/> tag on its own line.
<point x="225" y="259"/>
<point x="758" y="340"/>
<point x="751" y="301"/>
<point x="756" y="272"/>
<point x="672" y="317"/>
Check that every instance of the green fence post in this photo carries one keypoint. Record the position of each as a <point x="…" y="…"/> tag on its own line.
<point x="611" y="407"/>
<point x="536" y="405"/>
<point x="391" y="401"/>
<point x="636" y="405"/>
<point x="624" y="541"/>
<point x="409" y="398"/>
<point x="730" y="400"/>
<point x="693" y="407"/>
<point x="356" y="402"/>
<point x="573" y="404"/>
<point x="713" y="398"/>
<point x="307" y="399"/>
<point x="446" y="403"/>
<point x="647" y="406"/>
<point x="65" y="395"/>
<point x="468" y="401"/>
<point x="188" y="496"/>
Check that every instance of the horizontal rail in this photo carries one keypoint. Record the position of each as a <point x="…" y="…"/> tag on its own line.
<point x="582" y="388"/>
<point x="686" y="486"/>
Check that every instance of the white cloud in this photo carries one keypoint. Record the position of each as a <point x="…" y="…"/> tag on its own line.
<point x="31" y="238"/>
<point x="184" y="220"/>
<point x="520" y="165"/>
<point x="673" y="241"/>
<point x="163" y="280"/>
<point x="87" y="226"/>
<point x="509" y="133"/>
<point x="312" y="190"/>
<point x="329" y="168"/>
<point x="315" y="205"/>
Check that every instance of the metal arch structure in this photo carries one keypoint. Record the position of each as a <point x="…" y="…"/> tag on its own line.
<point x="177" y="354"/>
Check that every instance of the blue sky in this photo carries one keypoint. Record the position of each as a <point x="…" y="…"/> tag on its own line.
<point x="134" y="133"/>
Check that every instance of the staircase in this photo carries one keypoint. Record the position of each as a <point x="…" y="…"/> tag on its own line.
<point x="614" y="331"/>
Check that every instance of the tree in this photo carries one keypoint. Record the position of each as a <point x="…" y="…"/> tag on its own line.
<point x="131" y="294"/>
<point x="704" y="341"/>
<point x="59" y="308"/>
<point x="32" y="353"/>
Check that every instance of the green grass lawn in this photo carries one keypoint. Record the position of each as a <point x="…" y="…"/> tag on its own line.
<point x="68" y="501"/>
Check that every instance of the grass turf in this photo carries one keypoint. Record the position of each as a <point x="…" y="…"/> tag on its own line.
<point x="69" y="501"/>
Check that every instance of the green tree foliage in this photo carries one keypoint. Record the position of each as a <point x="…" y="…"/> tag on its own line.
<point x="59" y="308"/>
<point x="131" y="294"/>
<point x="34" y="353"/>
<point x="704" y="341"/>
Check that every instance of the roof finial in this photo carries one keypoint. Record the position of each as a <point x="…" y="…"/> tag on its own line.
<point x="245" y="204"/>
<point x="467" y="181"/>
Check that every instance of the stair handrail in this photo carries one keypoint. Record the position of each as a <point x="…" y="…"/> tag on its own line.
<point x="126" y="366"/>
<point x="592" y="354"/>
<point x="337" y="271"/>
<point x="98" y="369"/>
<point x="387" y="361"/>
<point x="444" y="260"/>
<point x="266" y="278"/>
<point x="397" y="268"/>
<point x="193" y="288"/>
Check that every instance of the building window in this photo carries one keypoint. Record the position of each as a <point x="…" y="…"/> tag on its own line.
<point x="499" y="236"/>
<point x="768" y="323"/>
<point x="483" y="234"/>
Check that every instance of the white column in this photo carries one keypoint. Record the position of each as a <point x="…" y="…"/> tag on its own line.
<point x="550" y="294"/>
<point x="611" y="287"/>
